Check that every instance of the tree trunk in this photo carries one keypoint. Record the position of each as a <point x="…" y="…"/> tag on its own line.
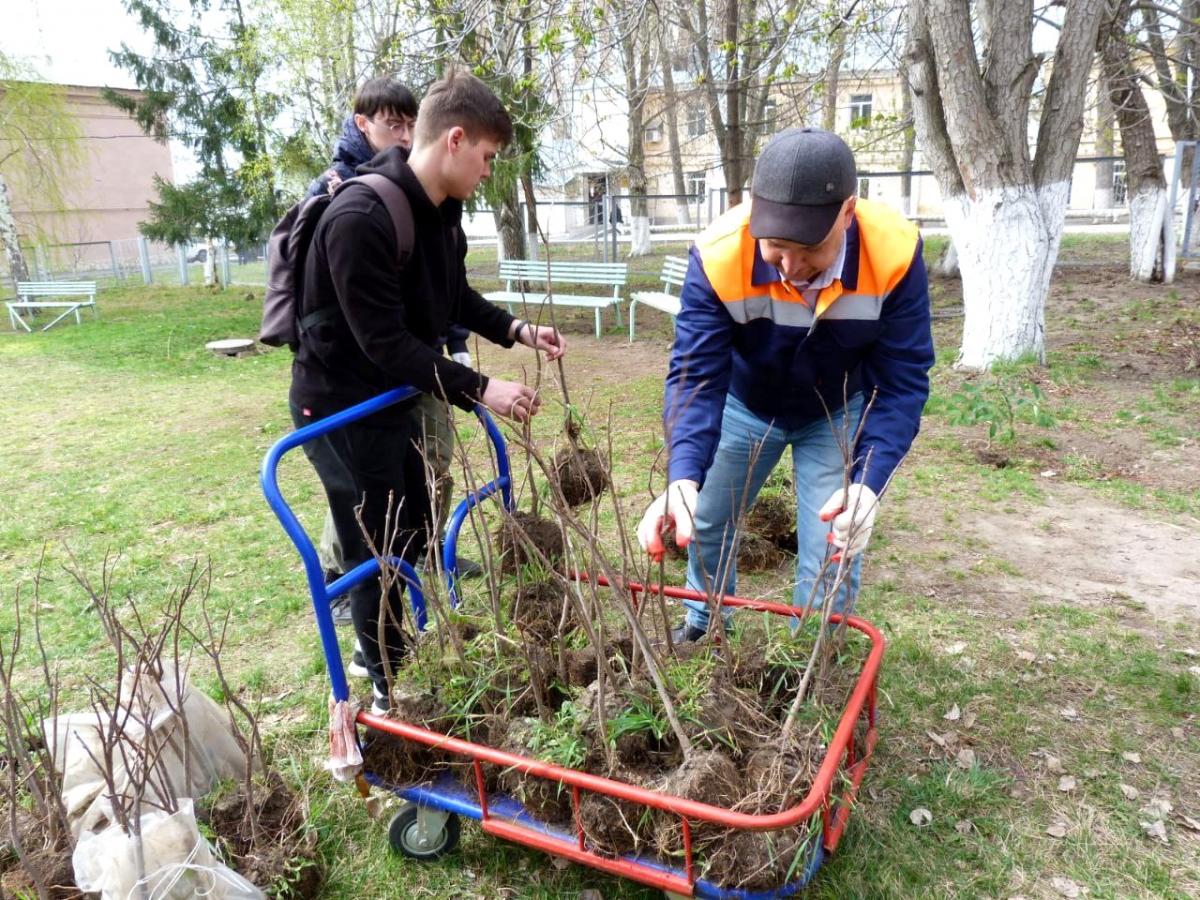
<point x="210" y="262"/>
<point x="909" y="149"/>
<point x="1005" y="211"/>
<point x="670" y="101"/>
<point x="1007" y="241"/>
<point x="532" y="238"/>
<point x="947" y="264"/>
<point x="1103" y="197"/>
<point x="18" y="268"/>
<point x="734" y="97"/>
<point x="510" y="239"/>
<point x="833" y="72"/>
<point x="635" y="55"/>
<point x="1143" y="172"/>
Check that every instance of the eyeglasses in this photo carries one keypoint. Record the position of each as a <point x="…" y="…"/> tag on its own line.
<point x="395" y="127"/>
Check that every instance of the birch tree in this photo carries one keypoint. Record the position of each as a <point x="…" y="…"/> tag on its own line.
<point x="1147" y="188"/>
<point x="40" y="146"/>
<point x="972" y="69"/>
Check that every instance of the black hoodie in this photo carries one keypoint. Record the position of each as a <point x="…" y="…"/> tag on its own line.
<point x="391" y="318"/>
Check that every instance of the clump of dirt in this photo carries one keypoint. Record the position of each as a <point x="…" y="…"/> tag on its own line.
<point x="581" y="474"/>
<point x="612" y="825"/>
<point x="266" y="836"/>
<point x="757" y="860"/>
<point x="773" y="517"/>
<point x="581" y="666"/>
<point x="399" y="761"/>
<point x="519" y="532"/>
<point x="545" y="799"/>
<point x="46" y="865"/>
<point x="757" y="554"/>
<point x="538" y="610"/>
<point x="708" y="776"/>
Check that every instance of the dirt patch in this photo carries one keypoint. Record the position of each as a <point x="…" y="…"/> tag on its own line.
<point x="773" y="516"/>
<point x="581" y="474"/>
<point x="757" y="554"/>
<point x="522" y="531"/>
<point x="1079" y="547"/>
<point x="538" y="610"/>
<point x="266" y="837"/>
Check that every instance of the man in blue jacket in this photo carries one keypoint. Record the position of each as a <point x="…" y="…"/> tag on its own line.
<point x="385" y="115"/>
<point x="799" y="309"/>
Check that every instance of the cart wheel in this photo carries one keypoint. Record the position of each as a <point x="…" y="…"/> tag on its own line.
<point x="422" y="832"/>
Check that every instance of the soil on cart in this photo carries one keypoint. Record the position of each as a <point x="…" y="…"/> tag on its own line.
<point x="608" y="720"/>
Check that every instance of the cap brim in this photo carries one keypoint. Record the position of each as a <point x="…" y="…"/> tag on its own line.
<point x="791" y="222"/>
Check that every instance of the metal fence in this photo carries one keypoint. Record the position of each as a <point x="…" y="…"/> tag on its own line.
<point x="139" y="261"/>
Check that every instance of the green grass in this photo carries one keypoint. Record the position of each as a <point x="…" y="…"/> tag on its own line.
<point x="125" y="439"/>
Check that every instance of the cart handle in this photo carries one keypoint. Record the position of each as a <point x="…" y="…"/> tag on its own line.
<point x="322" y="594"/>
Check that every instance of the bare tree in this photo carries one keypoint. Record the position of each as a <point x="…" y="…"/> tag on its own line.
<point x="39" y="144"/>
<point x="973" y="71"/>
<point x="1143" y="170"/>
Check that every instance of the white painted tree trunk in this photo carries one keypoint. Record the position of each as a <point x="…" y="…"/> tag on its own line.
<point x="210" y="262"/>
<point x="1147" y="208"/>
<point x="947" y="264"/>
<point x="1007" y="241"/>
<point x="683" y="213"/>
<point x="639" y="236"/>
<point x="10" y="241"/>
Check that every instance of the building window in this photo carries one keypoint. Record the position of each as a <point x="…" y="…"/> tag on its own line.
<point x="770" y="117"/>
<point x="864" y="188"/>
<point x="1119" y="185"/>
<point x="696" y="185"/>
<point x="654" y="133"/>
<point x="860" y="110"/>
<point x="697" y="122"/>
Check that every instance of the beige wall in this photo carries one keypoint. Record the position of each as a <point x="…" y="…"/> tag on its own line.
<point x="107" y="196"/>
<point x="878" y="145"/>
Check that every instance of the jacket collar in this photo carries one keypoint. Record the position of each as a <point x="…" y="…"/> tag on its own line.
<point x="763" y="272"/>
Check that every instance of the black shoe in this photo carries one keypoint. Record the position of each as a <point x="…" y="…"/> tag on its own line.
<point x="331" y="575"/>
<point x="468" y="568"/>
<point x="685" y="633"/>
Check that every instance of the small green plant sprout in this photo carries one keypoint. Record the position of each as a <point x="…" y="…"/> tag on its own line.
<point x="560" y="741"/>
<point x="640" y="716"/>
<point x="999" y="404"/>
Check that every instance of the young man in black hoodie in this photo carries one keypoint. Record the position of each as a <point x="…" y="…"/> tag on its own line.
<point x="388" y="334"/>
<point x="385" y="116"/>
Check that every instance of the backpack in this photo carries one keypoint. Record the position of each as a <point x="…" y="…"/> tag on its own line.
<point x="282" y="324"/>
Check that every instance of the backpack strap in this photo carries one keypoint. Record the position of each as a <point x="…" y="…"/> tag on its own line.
<point x="396" y="202"/>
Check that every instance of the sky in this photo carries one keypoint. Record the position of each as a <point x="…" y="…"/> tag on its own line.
<point x="67" y="41"/>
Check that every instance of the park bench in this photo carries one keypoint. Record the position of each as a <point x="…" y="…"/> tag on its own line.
<point x="518" y="273"/>
<point x="673" y="270"/>
<point x="27" y="302"/>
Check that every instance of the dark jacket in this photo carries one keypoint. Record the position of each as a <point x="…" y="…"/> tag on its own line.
<point x="743" y="331"/>
<point x="350" y="152"/>
<point x="388" y="333"/>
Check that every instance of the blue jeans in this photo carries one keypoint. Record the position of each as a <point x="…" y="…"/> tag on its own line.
<point x="732" y="480"/>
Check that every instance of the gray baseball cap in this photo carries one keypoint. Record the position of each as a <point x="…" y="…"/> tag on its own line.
<point x="801" y="179"/>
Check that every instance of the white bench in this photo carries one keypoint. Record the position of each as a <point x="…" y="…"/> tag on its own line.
<point x="517" y="272"/>
<point x="673" y="270"/>
<point x="26" y="302"/>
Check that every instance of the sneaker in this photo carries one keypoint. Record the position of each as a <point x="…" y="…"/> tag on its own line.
<point x="358" y="665"/>
<point x="381" y="703"/>
<point x="686" y="633"/>
<point x="341" y="611"/>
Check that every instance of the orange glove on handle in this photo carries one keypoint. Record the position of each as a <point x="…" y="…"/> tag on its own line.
<point x="852" y="512"/>
<point x="675" y="506"/>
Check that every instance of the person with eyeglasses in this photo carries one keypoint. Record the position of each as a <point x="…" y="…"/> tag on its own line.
<point x="385" y="116"/>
